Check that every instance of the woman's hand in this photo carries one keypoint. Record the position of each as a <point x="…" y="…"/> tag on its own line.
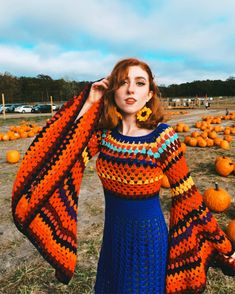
<point x="97" y="90"/>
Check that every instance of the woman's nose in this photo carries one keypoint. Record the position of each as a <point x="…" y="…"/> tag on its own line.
<point x="130" y="88"/>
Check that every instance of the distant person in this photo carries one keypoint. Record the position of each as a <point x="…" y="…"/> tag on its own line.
<point x="120" y="118"/>
<point x="206" y="105"/>
<point x="227" y="111"/>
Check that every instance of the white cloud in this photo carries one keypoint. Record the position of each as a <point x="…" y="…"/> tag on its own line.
<point x="75" y="65"/>
<point x="88" y="37"/>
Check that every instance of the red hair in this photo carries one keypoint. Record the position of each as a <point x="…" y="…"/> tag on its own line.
<point x="109" y="118"/>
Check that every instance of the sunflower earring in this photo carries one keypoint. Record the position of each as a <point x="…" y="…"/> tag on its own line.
<point x="118" y="113"/>
<point x="144" y="113"/>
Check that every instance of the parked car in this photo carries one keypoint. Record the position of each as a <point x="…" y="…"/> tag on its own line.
<point x="55" y="107"/>
<point x="8" y="108"/>
<point x="23" y="108"/>
<point x="41" y="108"/>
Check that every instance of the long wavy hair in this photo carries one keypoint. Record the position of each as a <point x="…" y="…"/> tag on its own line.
<point x="109" y="118"/>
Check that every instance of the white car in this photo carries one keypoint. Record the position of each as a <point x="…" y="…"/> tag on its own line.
<point x="23" y="108"/>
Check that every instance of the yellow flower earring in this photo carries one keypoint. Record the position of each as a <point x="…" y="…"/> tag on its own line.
<point x="143" y="114"/>
<point x="118" y="113"/>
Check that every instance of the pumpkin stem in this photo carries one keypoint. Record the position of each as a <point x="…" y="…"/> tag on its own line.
<point x="216" y="187"/>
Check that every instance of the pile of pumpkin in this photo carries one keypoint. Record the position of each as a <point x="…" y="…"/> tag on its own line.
<point x="181" y="127"/>
<point x="208" y="136"/>
<point x="217" y="200"/>
<point x="176" y="112"/>
<point x="24" y="130"/>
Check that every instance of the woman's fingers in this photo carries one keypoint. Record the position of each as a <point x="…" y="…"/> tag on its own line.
<point x="101" y="84"/>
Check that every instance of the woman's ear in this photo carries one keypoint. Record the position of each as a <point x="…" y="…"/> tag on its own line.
<point x="150" y="95"/>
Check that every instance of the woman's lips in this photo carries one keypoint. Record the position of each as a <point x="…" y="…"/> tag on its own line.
<point x="130" y="101"/>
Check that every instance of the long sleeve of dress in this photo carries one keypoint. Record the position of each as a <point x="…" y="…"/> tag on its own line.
<point x="195" y="239"/>
<point x="46" y="189"/>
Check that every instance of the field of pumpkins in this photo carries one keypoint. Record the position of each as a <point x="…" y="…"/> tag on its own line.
<point x="209" y="132"/>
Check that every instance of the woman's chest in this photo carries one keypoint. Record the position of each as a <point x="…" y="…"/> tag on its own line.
<point x="136" y="161"/>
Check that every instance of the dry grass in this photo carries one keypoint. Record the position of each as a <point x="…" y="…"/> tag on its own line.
<point x="24" y="271"/>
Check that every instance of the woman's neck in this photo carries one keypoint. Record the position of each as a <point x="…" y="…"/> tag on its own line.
<point x="128" y="127"/>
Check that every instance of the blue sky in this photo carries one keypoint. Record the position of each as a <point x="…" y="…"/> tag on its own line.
<point x="182" y="40"/>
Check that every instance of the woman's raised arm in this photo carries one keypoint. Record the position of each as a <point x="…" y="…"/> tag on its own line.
<point x="96" y="93"/>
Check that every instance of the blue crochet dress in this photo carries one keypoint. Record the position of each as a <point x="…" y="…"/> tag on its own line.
<point x="134" y="248"/>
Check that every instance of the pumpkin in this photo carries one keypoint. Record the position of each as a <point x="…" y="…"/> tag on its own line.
<point x="5" y="137"/>
<point x="228" y="138"/>
<point x="165" y="182"/>
<point x="201" y="142"/>
<point x="198" y="124"/>
<point x="209" y="142"/>
<point x="185" y="128"/>
<point x="224" y="145"/>
<point x="187" y="139"/>
<point x="204" y="134"/>
<point x="232" y="131"/>
<point x="192" y="142"/>
<point x="179" y="128"/>
<point x="221" y="157"/>
<point x="231" y="230"/>
<point x="217" y="199"/>
<point x="183" y="147"/>
<point x="217" y="141"/>
<point x="212" y="134"/>
<point x="195" y="134"/>
<point x="227" y="132"/>
<point x="12" y="156"/>
<point x="224" y="166"/>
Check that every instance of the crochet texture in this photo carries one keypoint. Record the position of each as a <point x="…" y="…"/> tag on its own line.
<point x="45" y="197"/>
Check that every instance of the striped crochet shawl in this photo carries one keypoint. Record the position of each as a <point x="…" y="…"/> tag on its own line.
<point x="45" y="202"/>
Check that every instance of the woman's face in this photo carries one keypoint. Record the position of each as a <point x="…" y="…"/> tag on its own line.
<point x="133" y="92"/>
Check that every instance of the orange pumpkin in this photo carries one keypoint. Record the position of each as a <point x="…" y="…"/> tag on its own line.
<point x="224" y="166"/>
<point x="228" y="138"/>
<point x="227" y="131"/>
<point x="12" y="156"/>
<point x="185" y="128"/>
<point x="195" y="134"/>
<point x="224" y="145"/>
<point x="198" y="124"/>
<point x="209" y="142"/>
<point x="192" y="142"/>
<point x="212" y="134"/>
<point x="5" y="137"/>
<point x="217" y="199"/>
<point x="165" y="182"/>
<point x="201" y="142"/>
<point x="217" y="141"/>
<point x="183" y="147"/>
<point x="231" y="230"/>
<point x="187" y="139"/>
<point x="221" y="157"/>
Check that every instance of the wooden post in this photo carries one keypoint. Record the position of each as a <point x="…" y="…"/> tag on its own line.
<point x="51" y="105"/>
<point x="3" y="106"/>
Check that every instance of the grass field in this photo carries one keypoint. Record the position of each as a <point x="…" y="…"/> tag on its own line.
<point x="23" y="270"/>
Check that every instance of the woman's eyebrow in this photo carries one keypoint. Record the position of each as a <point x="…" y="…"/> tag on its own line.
<point x="136" y="78"/>
<point x="140" y="78"/>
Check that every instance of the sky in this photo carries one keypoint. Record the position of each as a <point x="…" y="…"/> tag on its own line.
<point x="181" y="40"/>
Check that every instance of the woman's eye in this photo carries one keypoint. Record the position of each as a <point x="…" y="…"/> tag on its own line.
<point x="140" y="83"/>
<point x="123" y="82"/>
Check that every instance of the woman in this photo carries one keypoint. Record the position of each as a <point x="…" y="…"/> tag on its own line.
<point x="120" y="118"/>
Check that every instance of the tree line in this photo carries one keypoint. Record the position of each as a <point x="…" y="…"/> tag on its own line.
<point x="41" y="87"/>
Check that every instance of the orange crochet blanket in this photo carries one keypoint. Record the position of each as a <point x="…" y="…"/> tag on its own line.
<point x="45" y="200"/>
